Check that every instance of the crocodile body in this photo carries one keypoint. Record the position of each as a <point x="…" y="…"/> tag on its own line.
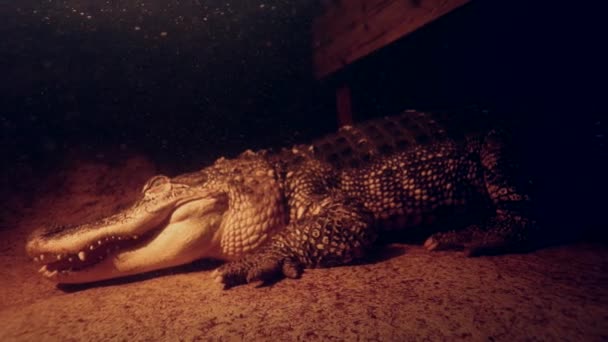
<point x="272" y="213"/>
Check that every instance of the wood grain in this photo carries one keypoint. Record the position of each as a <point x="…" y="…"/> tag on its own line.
<point x="349" y="30"/>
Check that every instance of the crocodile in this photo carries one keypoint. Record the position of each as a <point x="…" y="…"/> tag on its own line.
<point x="272" y="213"/>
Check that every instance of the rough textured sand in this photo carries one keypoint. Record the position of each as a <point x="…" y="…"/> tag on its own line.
<point x="558" y="293"/>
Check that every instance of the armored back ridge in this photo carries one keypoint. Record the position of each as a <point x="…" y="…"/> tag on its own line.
<point x="355" y="145"/>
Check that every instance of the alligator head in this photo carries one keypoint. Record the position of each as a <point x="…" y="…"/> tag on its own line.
<point x="220" y="212"/>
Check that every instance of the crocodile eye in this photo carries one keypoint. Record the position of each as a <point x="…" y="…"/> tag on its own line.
<point x="155" y="182"/>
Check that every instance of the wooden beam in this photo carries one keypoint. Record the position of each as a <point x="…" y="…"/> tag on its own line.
<point x="344" y="105"/>
<point x="351" y="29"/>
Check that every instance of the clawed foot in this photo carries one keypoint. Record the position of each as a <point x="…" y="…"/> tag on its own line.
<point x="256" y="268"/>
<point x="454" y="240"/>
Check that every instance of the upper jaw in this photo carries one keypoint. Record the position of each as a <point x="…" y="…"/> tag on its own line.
<point x="129" y="225"/>
<point x="160" y="198"/>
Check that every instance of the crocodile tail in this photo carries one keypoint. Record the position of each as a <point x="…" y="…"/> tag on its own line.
<point x="355" y="145"/>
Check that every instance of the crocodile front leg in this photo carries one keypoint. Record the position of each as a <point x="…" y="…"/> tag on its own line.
<point x="335" y="233"/>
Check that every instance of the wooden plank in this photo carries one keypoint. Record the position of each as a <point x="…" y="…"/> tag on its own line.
<point x="351" y="29"/>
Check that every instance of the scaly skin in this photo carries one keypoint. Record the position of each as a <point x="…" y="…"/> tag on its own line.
<point x="404" y="190"/>
<point x="272" y="214"/>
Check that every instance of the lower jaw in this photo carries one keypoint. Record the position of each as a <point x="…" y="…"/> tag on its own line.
<point x="71" y="266"/>
<point x="102" y="270"/>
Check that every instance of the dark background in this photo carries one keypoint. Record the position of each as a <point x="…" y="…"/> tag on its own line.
<point x="185" y="82"/>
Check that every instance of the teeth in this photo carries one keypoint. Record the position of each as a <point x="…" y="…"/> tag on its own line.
<point x="70" y="259"/>
<point x="36" y="259"/>
<point x="113" y="237"/>
<point x="51" y="274"/>
<point x="59" y="256"/>
<point x="99" y="242"/>
<point x="135" y="237"/>
<point x="41" y="257"/>
<point x="42" y="269"/>
<point x="82" y="256"/>
<point x="91" y="247"/>
<point x="120" y="238"/>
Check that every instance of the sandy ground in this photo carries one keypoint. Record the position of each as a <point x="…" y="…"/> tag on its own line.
<point x="405" y="293"/>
